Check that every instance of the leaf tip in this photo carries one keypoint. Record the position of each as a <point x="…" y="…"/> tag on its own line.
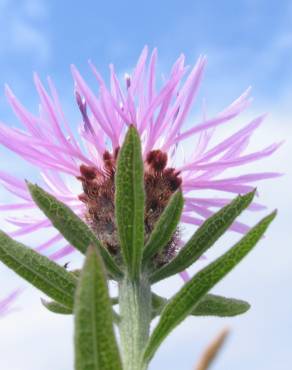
<point x="249" y="196"/>
<point x="91" y="250"/>
<point x="133" y="130"/>
<point x="44" y="302"/>
<point x="272" y="215"/>
<point x="31" y="187"/>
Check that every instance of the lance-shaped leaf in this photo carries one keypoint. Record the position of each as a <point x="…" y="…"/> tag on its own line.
<point x="95" y="343"/>
<point x="71" y="226"/>
<point x="56" y="307"/>
<point x="209" y="305"/>
<point x="182" y="304"/>
<point x="204" y="237"/>
<point x="165" y="227"/>
<point x="38" y="270"/>
<point x="129" y="201"/>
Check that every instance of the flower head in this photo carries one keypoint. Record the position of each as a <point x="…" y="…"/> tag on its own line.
<point x="159" y="113"/>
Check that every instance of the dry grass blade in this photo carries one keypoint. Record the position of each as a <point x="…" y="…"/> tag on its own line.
<point x="212" y="351"/>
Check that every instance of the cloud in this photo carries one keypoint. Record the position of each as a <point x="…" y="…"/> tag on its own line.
<point x="35" y="9"/>
<point x="23" y="31"/>
<point x="26" y="38"/>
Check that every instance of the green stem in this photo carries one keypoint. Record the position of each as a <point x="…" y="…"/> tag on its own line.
<point x="135" y="312"/>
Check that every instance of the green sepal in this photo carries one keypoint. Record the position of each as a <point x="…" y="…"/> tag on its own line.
<point x="129" y="201"/>
<point x="56" y="307"/>
<point x="182" y="304"/>
<point x="95" y="343"/>
<point x="165" y="227"/>
<point x="38" y="270"/>
<point x="71" y="226"/>
<point x="204" y="237"/>
<point x="209" y="305"/>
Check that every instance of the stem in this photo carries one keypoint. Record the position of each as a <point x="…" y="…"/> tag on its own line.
<point x="135" y="311"/>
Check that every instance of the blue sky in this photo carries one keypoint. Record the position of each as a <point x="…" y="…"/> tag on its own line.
<point x="249" y="40"/>
<point x="247" y="43"/>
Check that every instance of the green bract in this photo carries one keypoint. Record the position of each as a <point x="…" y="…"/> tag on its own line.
<point x="71" y="227"/>
<point x="165" y="227"/>
<point x="129" y="202"/>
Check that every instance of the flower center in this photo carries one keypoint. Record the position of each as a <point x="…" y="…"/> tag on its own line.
<point x="99" y="189"/>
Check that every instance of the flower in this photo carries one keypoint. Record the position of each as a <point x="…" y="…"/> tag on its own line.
<point x="159" y="113"/>
<point x="5" y="303"/>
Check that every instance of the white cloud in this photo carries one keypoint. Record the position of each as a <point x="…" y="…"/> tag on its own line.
<point x="26" y="38"/>
<point x="36" y="9"/>
<point x="22" y="33"/>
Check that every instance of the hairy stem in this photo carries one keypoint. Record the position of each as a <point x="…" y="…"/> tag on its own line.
<point x="135" y="312"/>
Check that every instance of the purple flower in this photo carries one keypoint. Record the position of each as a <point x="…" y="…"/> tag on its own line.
<point x="6" y="303"/>
<point x="160" y="112"/>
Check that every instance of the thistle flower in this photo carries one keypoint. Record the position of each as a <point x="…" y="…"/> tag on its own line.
<point x="159" y="113"/>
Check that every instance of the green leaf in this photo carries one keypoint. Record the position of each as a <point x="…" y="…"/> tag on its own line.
<point x="71" y="226"/>
<point x="44" y="274"/>
<point x="165" y="227"/>
<point x="209" y="305"/>
<point x="129" y="202"/>
<point x="204" y="237"/>
<point x="95" y="343"/>
<point x="182" y="304"/>
<point x="56" y="307"/>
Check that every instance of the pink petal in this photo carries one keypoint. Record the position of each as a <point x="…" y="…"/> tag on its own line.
<point x="225" y="116"/>
<point x="62" y="252"/>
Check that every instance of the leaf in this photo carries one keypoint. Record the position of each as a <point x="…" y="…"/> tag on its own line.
<point x="95" y="344"/>
<point x="38" y="270"/>
<point x="165" y="227"/>
<point x="129" y="201"/>
<point x="56" y="307"/>
<point x="71" y="226"/>
<point x="209" y="305"/>
<point x="182" y="304"/>
<point x="204" y="237"/>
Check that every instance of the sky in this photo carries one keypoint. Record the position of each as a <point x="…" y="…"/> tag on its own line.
<point x="247" y="43"/>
